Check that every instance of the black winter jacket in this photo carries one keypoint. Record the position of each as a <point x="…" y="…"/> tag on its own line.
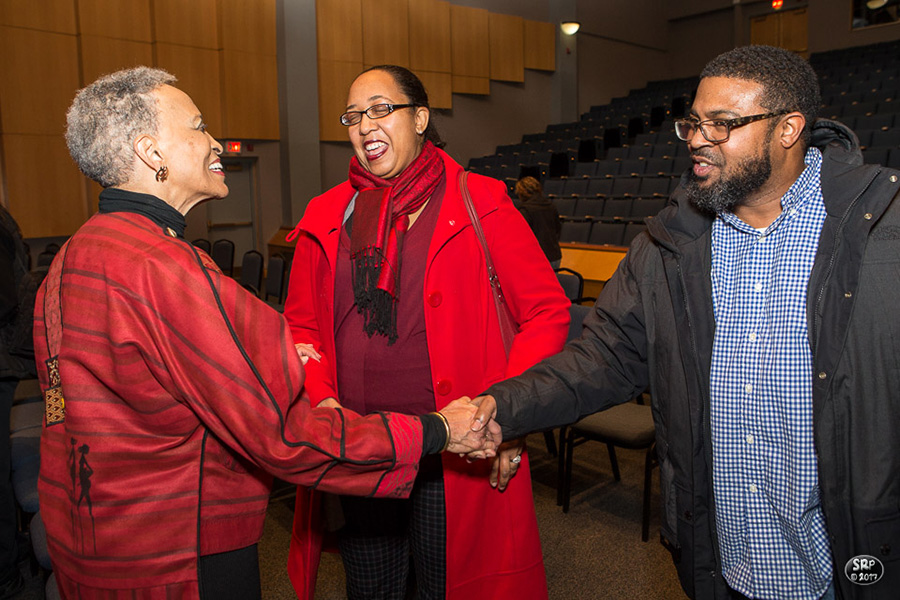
<point x="653" y="327"/>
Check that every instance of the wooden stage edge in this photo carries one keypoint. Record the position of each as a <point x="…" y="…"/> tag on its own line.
<point x="595" y="263"/>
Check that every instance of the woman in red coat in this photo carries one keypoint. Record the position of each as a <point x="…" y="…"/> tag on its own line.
<point x="403" y="318"/>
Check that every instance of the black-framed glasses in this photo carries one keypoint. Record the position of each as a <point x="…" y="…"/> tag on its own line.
<point x="376" y="111"/>
<point x="717" y="131"/>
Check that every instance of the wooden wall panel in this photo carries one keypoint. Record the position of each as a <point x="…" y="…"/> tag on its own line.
<point x="429" y="36"/>
<point x="335" y="78"/>
<point x="470" y="50"/>
<point x="471" y="85"/>
<point x="339" y="34"/>
<point x="102" y="55"/>
<point x="385" y="32"/>
<point x="122" y="19"/>
<point x="764" y="30"/>
<point x="540" y="45"/>
<point x="46" y="190"/>
<point x="38" y="79"/>
<point x="248" y="26"/>
<point x="507" y="47"/>
<point x="469" y="43"/>
<point x="250" y="90"/>
<point x="794" y="33"/>
<point x="46" y="15"/>
<point x="439" y="87"/>
<point x="193" y="23"/>
<point x="198" y="73"/>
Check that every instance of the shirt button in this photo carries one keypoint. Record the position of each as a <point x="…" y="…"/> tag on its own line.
<point x="757" y="287"/>
<point x="753" y="488"/>
<point x="748" y="388"/>
<point x="848" y="294"/>
<point x="750" y="438"/>
<point x="822" y="375"/>
<point x="867" y="216"/>
<point x="435" y="299"/>
<point x="893" y="179"/>
<point x="752" y="337"/>
<point x="443" y="387"/>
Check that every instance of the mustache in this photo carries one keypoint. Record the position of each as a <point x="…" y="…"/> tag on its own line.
<point x="704" y="153"/>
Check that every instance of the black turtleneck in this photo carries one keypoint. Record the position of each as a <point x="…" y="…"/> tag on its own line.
<point x="117" y="200"/>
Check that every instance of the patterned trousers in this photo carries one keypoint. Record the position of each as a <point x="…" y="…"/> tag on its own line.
<point x="380" y="535"/>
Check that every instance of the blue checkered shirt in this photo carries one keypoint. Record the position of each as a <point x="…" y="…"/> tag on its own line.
<point x="772" y="536"/>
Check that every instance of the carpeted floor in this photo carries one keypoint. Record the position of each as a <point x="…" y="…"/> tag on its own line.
<point x="594" y="551"/>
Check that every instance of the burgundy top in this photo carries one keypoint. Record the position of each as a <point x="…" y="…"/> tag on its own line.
<point x="371" y="375"/>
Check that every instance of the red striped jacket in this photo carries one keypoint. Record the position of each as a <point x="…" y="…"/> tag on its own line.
<point x="182" y="397"/>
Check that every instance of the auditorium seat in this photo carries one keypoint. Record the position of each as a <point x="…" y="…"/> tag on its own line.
<point x="589" y="207"/>
<point x="600" y="187"/>
<point x="606" y="168"/>
<point x="632" y="166"/>
<point x="625" y="186"/>
<point x="617" y="207"/>
<point x="646" y="207"/>
<point x="573" y="230"/>
<point x="887" y="139"/>
<point x="607" y="233"/>
<point x="632" y="230"/>
<point x="654" y="186"/>
<point x="576" y="187"/>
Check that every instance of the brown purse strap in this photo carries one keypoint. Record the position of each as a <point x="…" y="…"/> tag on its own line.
<point x="506" y="320"/>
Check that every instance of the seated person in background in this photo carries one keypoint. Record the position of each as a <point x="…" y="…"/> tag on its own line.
<point x="756" y="309"/>
<point x="172" y="394"/>
<point x="542" y="216"/>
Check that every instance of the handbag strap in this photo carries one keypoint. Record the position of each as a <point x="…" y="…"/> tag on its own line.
<point x="479" y="233"/>
<point x="507" y="323"/>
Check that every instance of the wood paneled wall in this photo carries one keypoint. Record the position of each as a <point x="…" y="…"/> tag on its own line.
<point x="222" y="51"/>
<point x="453" y="49"/>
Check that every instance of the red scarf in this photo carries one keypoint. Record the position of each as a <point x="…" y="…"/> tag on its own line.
<point x="380" y="219"/>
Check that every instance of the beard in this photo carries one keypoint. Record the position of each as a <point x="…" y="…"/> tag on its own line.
<point x="731" y="189"/>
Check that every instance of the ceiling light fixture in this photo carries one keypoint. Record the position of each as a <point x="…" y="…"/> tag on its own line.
<point x="570" y="27"/>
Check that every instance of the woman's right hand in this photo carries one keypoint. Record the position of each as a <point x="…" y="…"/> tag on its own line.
<point x="306" y="352"/>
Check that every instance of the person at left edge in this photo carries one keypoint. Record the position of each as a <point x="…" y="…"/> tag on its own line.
<point x="172" y="394"/>
<point x="436" y="336"/>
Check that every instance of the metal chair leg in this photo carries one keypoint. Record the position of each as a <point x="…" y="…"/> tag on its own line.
<point x="561" y="469"/>
<point x="613" y="461"/>
<point x="567" y="483"/>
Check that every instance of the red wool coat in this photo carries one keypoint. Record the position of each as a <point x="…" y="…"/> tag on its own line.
<point x="493" y="547"/>
<point x="182" y="396"/>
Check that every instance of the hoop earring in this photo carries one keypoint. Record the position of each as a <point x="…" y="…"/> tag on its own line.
<point x="162" y="174"/>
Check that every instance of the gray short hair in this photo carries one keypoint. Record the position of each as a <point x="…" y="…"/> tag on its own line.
<point x="107" y="116"/>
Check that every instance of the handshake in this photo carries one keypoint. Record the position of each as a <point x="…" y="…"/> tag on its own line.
<point x="473" y="431"/>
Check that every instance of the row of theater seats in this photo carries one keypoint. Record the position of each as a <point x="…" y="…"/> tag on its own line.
<point x="253" y="270"/>
<point x="599" y="231"/>
<point x="624" y="186"/>
<point x="621" y="209"/>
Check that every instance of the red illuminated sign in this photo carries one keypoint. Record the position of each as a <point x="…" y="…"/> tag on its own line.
<point x="777" y="4"/>
<point x="234" y="147"/>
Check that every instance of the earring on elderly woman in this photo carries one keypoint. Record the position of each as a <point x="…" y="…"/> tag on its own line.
<point x="162" y="174"/>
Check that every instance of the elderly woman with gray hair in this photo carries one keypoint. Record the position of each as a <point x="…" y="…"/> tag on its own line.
<point x="172" y="395"/>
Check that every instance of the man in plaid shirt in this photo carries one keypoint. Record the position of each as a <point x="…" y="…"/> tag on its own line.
<point x="753" y="310"/>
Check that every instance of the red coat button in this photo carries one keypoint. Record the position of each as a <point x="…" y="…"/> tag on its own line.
<point x="443" y="387"/>
<point x="435" y="299"/>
